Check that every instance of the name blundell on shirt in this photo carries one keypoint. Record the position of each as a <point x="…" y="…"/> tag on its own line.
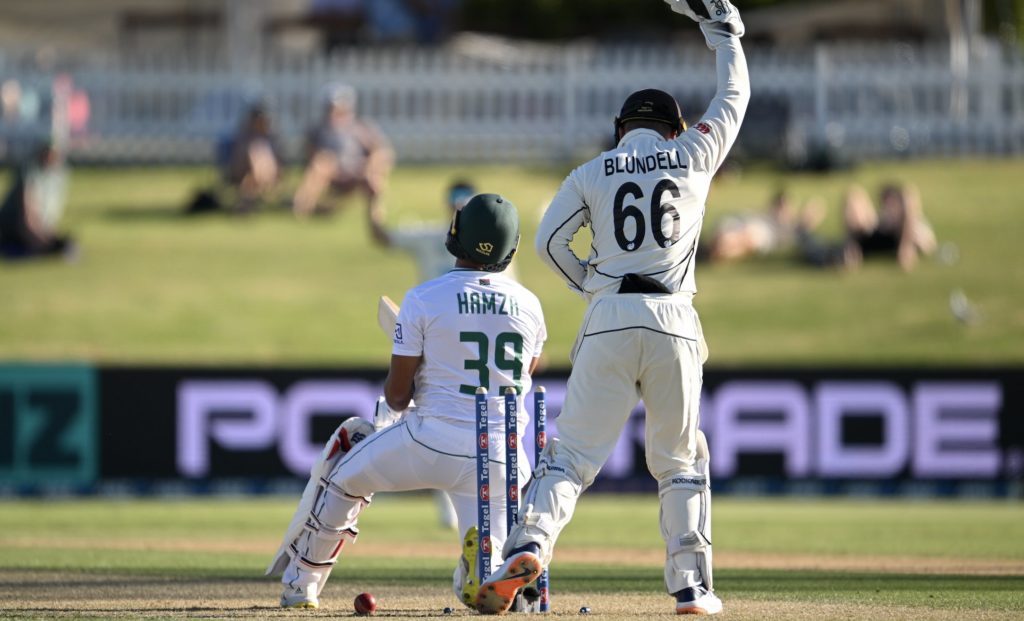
<point x="474" y="303"/>
<point x="631" y="164"/>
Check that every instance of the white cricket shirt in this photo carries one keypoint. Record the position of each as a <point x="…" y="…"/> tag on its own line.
<point x="644" y="200"/>
<point x="473" y="328"/>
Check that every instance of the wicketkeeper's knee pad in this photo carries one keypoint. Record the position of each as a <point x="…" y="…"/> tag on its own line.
<point x="548" y="503"/>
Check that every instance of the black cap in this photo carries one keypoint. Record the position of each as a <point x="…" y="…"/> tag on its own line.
<point x="652" y="104"/>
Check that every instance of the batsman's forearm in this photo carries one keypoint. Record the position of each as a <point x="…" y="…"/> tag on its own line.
<point x="398" y="398"/>
<point x="399" y="385"/>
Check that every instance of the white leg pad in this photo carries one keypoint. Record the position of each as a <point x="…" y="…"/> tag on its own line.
<point x="331" y="523"/>
<point x="686" y="525"/>
<point x="548" y="503"/>
<point x="348" y="434"/>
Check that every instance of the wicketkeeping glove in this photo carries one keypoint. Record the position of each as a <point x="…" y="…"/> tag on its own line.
<point x="718" y="19"/>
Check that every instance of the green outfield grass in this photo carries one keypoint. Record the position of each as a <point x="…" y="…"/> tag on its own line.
<point x="782" y="559"/>
<point x="154" y="287"/>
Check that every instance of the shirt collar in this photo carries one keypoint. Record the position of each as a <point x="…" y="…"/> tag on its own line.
<point x="638" y="134"/>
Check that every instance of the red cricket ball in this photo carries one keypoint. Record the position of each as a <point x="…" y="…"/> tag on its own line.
<point x="365" y="604"/>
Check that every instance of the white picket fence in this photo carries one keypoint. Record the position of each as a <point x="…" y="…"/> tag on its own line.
<point x="548" y="104"/>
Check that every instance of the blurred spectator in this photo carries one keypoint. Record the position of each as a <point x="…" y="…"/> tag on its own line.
<point x="344" y="154"/>
<point x="19" y="110"/>
<point x="739" y="236"/>
<point x="425" y="243"/>
<point x="32" y="208"/>
<point x="898" y="229"/>
<point x="249" y="164"/>
<point x="252" y="164"/>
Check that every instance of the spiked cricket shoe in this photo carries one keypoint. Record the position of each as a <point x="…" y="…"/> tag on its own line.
<point x="470" y="567"/>
<point x="697" y="601"/>
<point x="499" y="590"/>
<point x="300" y="597"/>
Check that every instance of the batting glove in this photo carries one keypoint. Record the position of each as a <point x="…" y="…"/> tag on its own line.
<point x="384" y="416"/>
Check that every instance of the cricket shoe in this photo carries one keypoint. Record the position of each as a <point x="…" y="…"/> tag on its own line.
<point x="470" y="562"/>
<point x="527" y="600"/>
<point x="499" y="590"/>
<point x="300" y="597"/>
<point x="697" y="601"/>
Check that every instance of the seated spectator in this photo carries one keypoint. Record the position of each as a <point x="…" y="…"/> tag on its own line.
<point x="32" y="209"/>
<point x="898" y="229"/>
<point x="252" y="165"/>
<point x="344" y="154"/>
<point x="739" y="236"/>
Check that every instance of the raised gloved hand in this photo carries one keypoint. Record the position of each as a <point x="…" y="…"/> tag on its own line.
<point x="718" y="19"/>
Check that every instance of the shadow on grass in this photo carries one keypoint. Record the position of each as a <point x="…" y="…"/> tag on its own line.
<point x="161" y="213"/>
<point x="177" y="213"/>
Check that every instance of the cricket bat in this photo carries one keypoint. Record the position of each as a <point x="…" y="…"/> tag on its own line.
<point x="387" y="315"/>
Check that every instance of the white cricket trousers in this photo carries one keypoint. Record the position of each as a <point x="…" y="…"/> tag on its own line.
<point x="635" y="346"/>
<point x="421" y="453"/>
<point x="631" y="346"/>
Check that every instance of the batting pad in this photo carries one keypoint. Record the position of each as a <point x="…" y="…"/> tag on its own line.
<point x="350" y="432"/>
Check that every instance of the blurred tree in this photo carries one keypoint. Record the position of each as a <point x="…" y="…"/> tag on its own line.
<point x="566" y="19"/>
<point x="611" y="19"/>
<point x="1005" y="18"/>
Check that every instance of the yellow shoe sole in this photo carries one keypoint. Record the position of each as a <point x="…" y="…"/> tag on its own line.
<point x="470" y="559"/>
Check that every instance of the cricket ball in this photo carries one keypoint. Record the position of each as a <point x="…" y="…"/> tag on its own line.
<point x="365" y="604"/>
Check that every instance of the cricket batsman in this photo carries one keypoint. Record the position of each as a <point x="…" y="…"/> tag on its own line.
<point x="644" y="202"/>
<point x="471" y="327"/>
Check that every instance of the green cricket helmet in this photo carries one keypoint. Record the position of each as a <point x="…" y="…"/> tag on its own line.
<point x="485" y="231"/>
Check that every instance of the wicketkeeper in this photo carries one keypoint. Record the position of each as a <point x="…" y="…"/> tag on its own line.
<point x="641" y="338"/>
<point x="469" y="328"/>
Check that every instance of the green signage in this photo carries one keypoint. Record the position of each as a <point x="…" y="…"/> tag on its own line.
<point x="48" y="425"/>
